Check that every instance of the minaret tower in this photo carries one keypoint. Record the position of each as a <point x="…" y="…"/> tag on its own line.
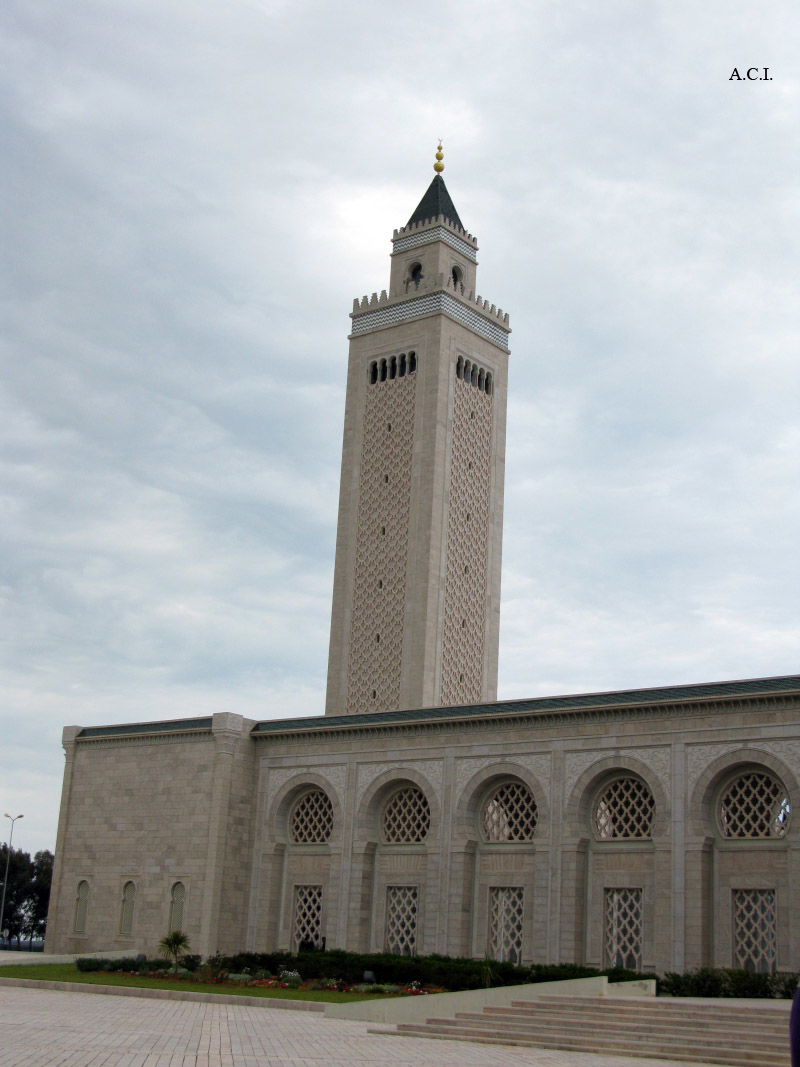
<point x="416" y="599"/>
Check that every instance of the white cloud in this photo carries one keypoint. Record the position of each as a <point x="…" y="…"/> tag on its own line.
<point x="196" y="195"/>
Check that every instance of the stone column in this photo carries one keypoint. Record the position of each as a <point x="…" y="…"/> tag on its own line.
<point x="58" y="918"/>
<point x="227" y="731"/>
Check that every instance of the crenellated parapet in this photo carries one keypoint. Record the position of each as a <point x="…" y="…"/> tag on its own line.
<point x="436" y="295"/>
<point x="438" y="283"/>
<point x="438" y="220"/>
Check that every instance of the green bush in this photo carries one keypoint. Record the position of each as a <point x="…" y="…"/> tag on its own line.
<point x="444" y="971"/>
<point x="123" y="963"/>
<point x="727" y="982"/>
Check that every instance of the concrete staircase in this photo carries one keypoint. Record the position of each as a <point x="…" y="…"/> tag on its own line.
<point x="739" y="1034"/>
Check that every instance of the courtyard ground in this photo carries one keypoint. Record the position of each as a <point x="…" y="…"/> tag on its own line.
<point x="44" y="1028"/>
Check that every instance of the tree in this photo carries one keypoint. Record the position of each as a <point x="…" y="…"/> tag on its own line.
<point x="39" y="895"/>
<point x="17" y="892"/>
<point x="174" y="944"/>
<point x="27" y="893"/>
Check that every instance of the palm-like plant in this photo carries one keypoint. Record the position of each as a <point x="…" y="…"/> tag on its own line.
<point x="174" y="944"/>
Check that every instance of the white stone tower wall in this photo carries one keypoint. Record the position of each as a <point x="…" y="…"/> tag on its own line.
<point x="415" y="619"/>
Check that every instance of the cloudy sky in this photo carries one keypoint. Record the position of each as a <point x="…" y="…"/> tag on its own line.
<point x="194" y="193"/>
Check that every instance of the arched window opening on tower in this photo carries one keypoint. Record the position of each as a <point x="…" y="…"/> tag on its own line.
<point x="390" y="368"/>
<point x="415" y="274"/>
<point x="458" y="278"/>
<point x="472" y="374"/>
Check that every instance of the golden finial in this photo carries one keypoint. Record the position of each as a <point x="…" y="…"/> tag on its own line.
<point x="438" y="166"/>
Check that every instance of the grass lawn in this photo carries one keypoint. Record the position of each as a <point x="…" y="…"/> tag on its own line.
<point x="68" y="972"/>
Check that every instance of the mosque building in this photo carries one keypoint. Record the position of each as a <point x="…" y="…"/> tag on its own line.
<point x="647" y="828"/>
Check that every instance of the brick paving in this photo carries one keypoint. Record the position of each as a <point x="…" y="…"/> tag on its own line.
<point x="43" y="1028"/>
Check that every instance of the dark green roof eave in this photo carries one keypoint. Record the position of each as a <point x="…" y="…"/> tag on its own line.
<point x="172" y="726"/>
<point x="435" y="202"/>
<point x="620" y="699"/>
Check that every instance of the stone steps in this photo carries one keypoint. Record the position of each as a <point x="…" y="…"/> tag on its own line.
<point x="691" y="1032"/>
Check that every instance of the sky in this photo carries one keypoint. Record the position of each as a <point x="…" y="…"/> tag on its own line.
<point x="193" y="195"/>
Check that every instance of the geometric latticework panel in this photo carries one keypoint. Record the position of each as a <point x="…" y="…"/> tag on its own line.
<point x="755" y="930"/>
<point x="381" y="548"/>
<point x="312" y="819"/>
<point x="506" y="906"/>
<point x="176" y="902"/>
<point x="510" y="813"/>
<point x="401" y="920"/>
<point x="406" y="817"/>
<point x="468" y="522"/>
<point x="307" y="922"/>
<point x="624" y="809"/>
<point x="623" y="928"/>
<point x="754" y="805"/>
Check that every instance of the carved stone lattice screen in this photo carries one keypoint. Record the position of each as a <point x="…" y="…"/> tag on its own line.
<point x="510" y="813"/>
<point x="754" y="930"/>
<point x="624" y="809"/>
<point x="406" y="817"/>
<point x="177" y="899"/>
<point x="754" y="805"/>
<point x="401" y="919"/>
<point x="307" y="922"/>
<point x="312" y="819"/>
<point x="506" y="908"/>
<point x="623" y="928"/>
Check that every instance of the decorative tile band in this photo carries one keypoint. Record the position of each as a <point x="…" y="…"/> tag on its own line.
<point x="394" y="314"/>
<point x="439" y="233"/>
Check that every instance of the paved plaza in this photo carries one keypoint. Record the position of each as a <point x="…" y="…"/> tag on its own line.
<point x="44" y="1028"/>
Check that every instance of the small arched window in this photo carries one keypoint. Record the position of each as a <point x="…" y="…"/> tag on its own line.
<point x="177" y="900"/>
<point x="416" y="274"/>
<point x="81" y="907"/>
<point x="406" y="817"/>
<point x="754" y="804"/>
<point x="624" y="810"/>
<point x="311" y="822"/>
<point x="509" y="813"/>
<point x="457" y="276"/>
<point x="126" y="910"/>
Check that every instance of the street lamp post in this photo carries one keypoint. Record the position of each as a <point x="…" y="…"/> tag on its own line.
<point x="8" y="859"/>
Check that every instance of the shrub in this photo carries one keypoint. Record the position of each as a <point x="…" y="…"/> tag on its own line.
<point x="728" y="982"/>
<point x="444" y="972"/>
